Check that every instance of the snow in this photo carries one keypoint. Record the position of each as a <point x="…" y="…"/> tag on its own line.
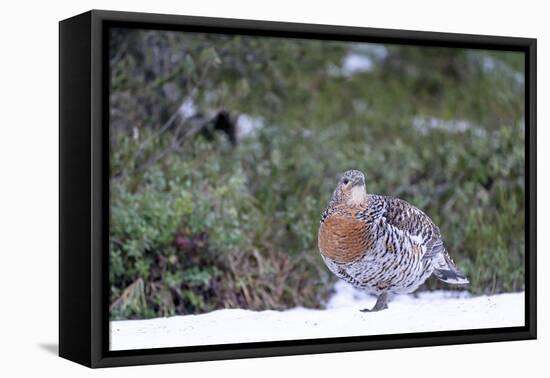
<point x="247" y="124"/>
<point x="188" y="108"/>
<point x="356" y="63"/>
<point x="422" y="312"/>
<point x="362" y="57"/>
<point x="424" y="125"/>
<point x="490" y="64"/>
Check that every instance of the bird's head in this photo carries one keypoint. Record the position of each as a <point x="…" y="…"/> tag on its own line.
<point x="351" y="189"/>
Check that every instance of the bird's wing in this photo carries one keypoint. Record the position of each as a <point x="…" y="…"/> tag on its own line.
<point x="408" y="219"/>
<point x="419" y="227"/>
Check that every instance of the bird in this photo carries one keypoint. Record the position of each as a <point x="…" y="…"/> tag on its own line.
<point x="380" y="243"/>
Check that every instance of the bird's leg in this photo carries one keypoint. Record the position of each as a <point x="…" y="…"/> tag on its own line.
<point x="381" y="303"/>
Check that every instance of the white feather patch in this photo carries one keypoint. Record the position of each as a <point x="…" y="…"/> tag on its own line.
<point x="358" y="195"/>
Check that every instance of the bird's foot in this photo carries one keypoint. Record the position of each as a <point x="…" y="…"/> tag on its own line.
<point x="374" y="309"/>
<point x="381" y="304"/>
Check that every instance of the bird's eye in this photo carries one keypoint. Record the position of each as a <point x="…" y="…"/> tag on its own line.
<point x="346" y="181"/>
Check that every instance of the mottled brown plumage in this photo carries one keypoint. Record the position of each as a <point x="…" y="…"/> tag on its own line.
<point x="382" y="244"/>
<point x="344" y="241"/>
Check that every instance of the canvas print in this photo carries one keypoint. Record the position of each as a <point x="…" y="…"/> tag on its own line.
<point x="268" y="189"/>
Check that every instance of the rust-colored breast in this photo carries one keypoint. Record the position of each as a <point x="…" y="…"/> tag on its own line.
<point x="344" y="239"/>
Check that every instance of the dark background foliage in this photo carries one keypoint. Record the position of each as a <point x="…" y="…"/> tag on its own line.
<point x="225" y="150"/>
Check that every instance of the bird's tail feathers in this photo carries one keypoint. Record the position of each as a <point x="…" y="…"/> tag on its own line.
<point x="447" y="271"/>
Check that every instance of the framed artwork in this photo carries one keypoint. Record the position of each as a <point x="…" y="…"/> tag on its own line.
<point x="233" y="188"/>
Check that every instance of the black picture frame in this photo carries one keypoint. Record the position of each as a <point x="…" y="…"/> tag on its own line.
<point x="83" y="193"/>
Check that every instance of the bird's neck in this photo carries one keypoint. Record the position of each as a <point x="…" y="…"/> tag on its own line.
<point x="357" y="197"/>
<point x="347" y="208"/>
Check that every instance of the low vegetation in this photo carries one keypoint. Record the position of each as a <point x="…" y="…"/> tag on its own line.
<point x="217" y="204"/>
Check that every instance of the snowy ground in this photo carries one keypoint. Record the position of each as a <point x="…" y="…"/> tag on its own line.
<point x="427" y="311"/>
